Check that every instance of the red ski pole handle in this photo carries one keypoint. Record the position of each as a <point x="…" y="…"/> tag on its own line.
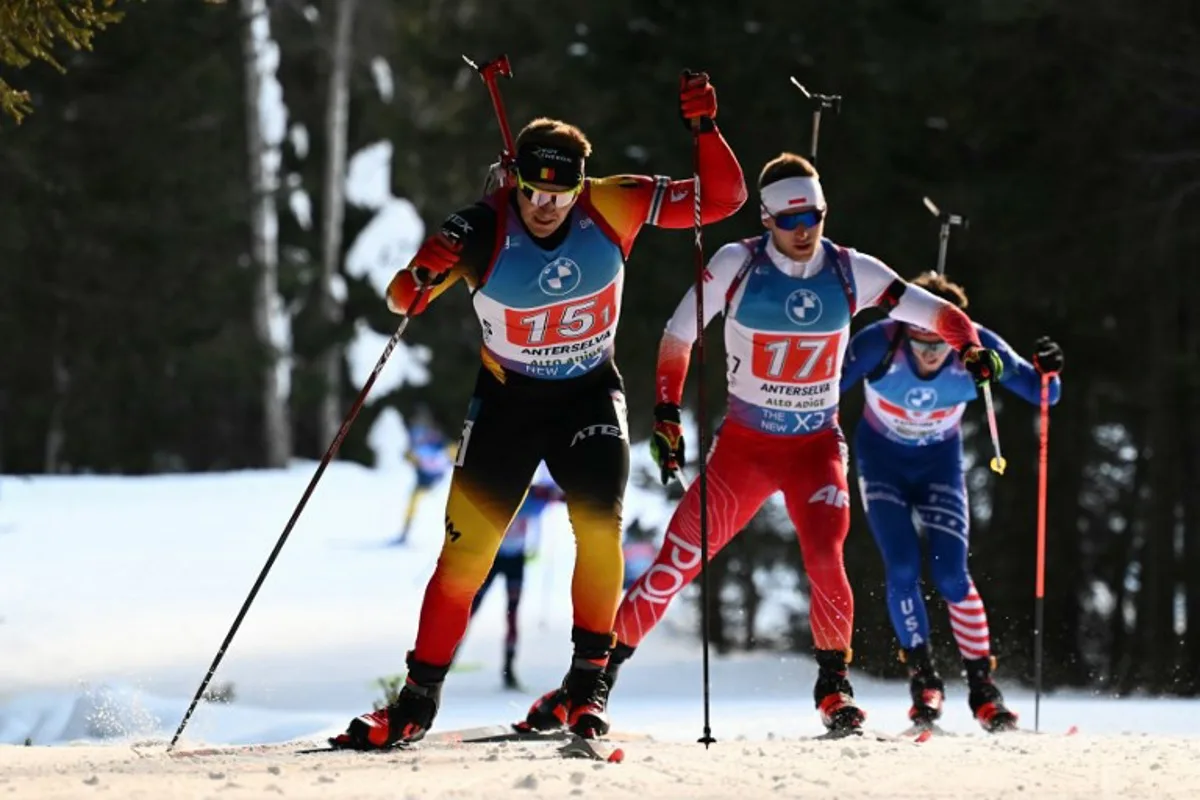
<point x="490" y="71"/>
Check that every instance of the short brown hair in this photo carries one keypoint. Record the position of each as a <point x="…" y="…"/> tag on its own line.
<point x="785" y="165"/>
<point x="555" y="133"/>
<point x="938" y="284"/>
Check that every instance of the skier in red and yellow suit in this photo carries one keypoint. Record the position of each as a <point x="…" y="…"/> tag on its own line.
<point x="544" y="260"/>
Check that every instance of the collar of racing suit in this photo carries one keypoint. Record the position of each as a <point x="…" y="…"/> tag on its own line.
<point x="796" y="269"/>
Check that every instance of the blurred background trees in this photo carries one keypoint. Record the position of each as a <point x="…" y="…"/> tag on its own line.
<point x="179" y="288"/>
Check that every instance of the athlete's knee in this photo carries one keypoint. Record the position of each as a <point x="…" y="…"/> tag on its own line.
<point x="675" y="567"/>
<point x="903" y="570"/>
<point x="953" y="582"/>
<point x="824" y="553"/>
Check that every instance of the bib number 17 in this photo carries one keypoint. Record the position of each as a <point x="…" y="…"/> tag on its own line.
<point x="794" y="359"/>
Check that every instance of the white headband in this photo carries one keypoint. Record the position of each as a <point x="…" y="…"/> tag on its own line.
<point x="792" y="193"/>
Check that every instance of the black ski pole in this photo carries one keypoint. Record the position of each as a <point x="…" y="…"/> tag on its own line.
<point x="330" y="452"/>
<point x="701" y="421"/>
<point x="821" y="102"/>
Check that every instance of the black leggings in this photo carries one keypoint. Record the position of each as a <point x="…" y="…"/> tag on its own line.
<point x="578" y="427"/>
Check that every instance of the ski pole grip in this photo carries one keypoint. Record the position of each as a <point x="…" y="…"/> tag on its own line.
<point x="685" y="76"/>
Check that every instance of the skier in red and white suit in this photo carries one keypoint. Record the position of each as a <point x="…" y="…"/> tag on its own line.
<point x="788" y="299"/>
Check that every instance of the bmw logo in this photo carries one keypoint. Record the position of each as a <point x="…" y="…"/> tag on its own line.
<point x="803" y="306"/>
<point x="922" y="398"/>
<point x="559" y="277"/>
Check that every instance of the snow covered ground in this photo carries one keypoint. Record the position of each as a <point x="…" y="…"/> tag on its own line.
<point x="116" y="592"/>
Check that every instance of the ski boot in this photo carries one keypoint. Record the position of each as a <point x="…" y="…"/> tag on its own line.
<point x="834" y="696"/>
<point x="587" y="691"/>
<point x="985" y="699"/>
<point x="556" y="709"/>
<point x="404" y="721"/>
<point x="926" y="687"/>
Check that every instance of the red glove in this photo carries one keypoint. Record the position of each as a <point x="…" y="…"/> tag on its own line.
<point x="437" y="255"/>
<point x="697" y="100"/>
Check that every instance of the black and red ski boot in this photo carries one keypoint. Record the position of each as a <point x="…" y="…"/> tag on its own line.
<point x="587" y="691"/>
<point x="404" y="721"/>
<point x="985" y="699"/>
<point x="581" y="702"/>
<point x="548" y="712"/>
<point x="925" y="685"/>
<point x="834" y="696"/>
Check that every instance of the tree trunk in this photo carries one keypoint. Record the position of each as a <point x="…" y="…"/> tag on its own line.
<point x="1159" y="518"/>
<point x="1188" y="405"/>
<point x="1123" y="554"/>
<point x="337" y="101"/>
<point x="271" y="323"/>
<point x="56" y="429"/>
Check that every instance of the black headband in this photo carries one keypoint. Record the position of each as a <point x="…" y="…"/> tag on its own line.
<point x="549" y="164"/>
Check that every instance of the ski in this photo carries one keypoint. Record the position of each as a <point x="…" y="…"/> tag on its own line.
<point x="595" y="749"/>
<point x="571" y="745"/>
<point x="837" y="734"/>
<point x="483" y="734"/>
<point x="923" y="732"/>
<point x="1070" y="731"/>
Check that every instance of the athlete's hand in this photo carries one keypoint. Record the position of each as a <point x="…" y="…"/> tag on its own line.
<point x="982" y="363"/>
<point x="666" y="445"/>
<point x="697" y="100"/>
<point x="1047" y="356"/>
<point x="437" y="255"/>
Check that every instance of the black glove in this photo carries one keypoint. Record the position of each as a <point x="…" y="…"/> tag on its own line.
<point x="666" y="445"/>
<point x="1047" y="356"/>
<point x="983" y="363"/>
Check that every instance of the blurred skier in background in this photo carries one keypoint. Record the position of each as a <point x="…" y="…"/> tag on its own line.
<point x="432" y="455"/>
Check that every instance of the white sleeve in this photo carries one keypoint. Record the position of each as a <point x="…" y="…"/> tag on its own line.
<point x="872" y="278"/>
<point x="719" y="275"/>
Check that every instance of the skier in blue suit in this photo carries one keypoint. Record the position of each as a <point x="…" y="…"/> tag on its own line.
<point x="909" y="459"/>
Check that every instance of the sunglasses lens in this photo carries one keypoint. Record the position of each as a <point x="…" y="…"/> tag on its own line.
<point x="540" y="198"/>
<point x="790" y="222"/>
<point x="932" y="348"/>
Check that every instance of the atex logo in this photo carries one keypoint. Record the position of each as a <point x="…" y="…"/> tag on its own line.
<point x="459" y="222"/>
<point x="831" y="495"/>
<point x="604" y="429"/>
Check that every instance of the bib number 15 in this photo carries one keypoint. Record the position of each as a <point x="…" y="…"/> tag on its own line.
<point x="563" y="322"/>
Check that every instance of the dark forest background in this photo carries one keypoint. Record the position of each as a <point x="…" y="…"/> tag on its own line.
<point x="135" y="285"/>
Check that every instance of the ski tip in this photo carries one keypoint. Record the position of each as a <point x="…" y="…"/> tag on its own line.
<point x="924" y="736"/>
<point x="616" y="756"/>
<point x="1071" y="731"/>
